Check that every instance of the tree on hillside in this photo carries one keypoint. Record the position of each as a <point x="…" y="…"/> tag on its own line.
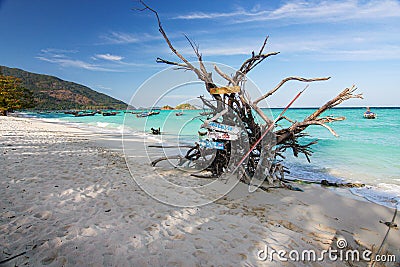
<point x="231" y="107"/>
<point x="167" y="107"/>
<point x="185" y="106"/>
<point x="13" y="95"/>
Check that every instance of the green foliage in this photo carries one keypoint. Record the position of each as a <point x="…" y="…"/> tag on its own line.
<point x="185" y="106"/>
<point x="52" y="93"/>
<point x="13" y="95"/>
<point x="167" y="107"/>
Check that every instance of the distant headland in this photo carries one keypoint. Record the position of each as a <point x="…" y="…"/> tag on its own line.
<point x="52" y="93"/>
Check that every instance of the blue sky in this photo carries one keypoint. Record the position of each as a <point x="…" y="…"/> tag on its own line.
<point x="111" y="48"/>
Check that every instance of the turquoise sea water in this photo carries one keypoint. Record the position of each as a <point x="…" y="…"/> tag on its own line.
<point x="366" y="151"/>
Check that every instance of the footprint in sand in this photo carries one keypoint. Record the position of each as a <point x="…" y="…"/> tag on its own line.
<point x="179" y="237"/>
<point x="290" y="226"/>
<point x="48" y="260"/>
<point x="44" y="215"/>
<point x="88" y="232"/>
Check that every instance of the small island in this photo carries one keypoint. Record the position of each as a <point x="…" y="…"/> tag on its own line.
<point x="185" y="106"/>
<point x="167" y="107"/>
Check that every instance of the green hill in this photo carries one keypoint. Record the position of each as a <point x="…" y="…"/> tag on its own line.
<point x="52" y="93"/>
<point x="185" y="106"/>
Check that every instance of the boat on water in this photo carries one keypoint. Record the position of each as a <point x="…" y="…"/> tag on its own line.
<point x="109" y="113"/>
<point x="85" y="114"/>
<point x="179" y="113"/>
<point x="70" y="112"/>
<point x="143" y="115"/>
<point x="147" y="114"/>
<point x="369" y="114"/>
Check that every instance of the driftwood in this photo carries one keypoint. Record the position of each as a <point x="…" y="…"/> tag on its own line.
<point x="265" y="162"/>
<point x="161" y="146"/>
<point x="325" y="183"/>
<point x="154" y="162"/>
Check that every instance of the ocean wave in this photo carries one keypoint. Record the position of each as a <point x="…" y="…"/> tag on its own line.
<point x="384" y="194"/>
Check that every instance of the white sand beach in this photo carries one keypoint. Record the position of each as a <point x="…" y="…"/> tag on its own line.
<point x="69" y="199"/>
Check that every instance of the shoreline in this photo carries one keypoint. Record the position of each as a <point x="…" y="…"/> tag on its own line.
<point x="112" y="140"/>
<point x="70" y="199"/>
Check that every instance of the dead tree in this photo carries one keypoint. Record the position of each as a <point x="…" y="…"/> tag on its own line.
<point x="265" y="162"/>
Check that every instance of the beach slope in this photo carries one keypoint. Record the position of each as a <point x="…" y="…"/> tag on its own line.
<point x="66" y="200"/>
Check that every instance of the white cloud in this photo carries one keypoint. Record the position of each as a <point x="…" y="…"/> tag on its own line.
<point x="388" y="52"/>
<point x="57" y="57"/>
<point x="109" y="57"/>
<point x="59" y="51"/>
<point x="121" y="38"/>
<point x="306" y="11"/>
<point x="65" y="62"/>
<point x="360" y="46"/>
<point x="221" y="50"/>
<point x="335" y="10"/>
<point x="127" y="38"/>
<point x="215" y="15"/>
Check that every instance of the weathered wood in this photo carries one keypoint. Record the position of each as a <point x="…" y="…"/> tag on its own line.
<point x="235" y="106"/>
<point x="154" y="162"/>
<point x="286" y="80"/>
<point x="225" y="90"/>
<point x="162" y="146"/>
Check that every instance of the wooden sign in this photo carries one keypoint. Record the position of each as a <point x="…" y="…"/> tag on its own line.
<point x="222" y="127"/>
<point x="210" y="144"/>
<point x="223" y="136"/>
<point x="225" y="90"/>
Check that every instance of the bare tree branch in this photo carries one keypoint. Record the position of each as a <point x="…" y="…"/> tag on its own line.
<point x="199" y="74"/>
<point x="199" y="57"/>
<point x="224" y="75"/>
<point x="329" y="128"/>
<point x="263" y="45"/>
<point x="285" y="118"/>
<point x="313" y="119"/>
<point x="286" y="80"/>
<point x="264" y="159"/>
<point x="252" y="62"/>
<point x="344" y="95"/>
<point x="184" y="66"/>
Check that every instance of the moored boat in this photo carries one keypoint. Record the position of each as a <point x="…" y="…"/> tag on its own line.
<point x="84" y="114"/>
<point x="147" y="114"/>
<point x="110" y="113"/>
<point x="369" y="114"/>
<point x="143" y="115"/>
<point x="70" y="112"/>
